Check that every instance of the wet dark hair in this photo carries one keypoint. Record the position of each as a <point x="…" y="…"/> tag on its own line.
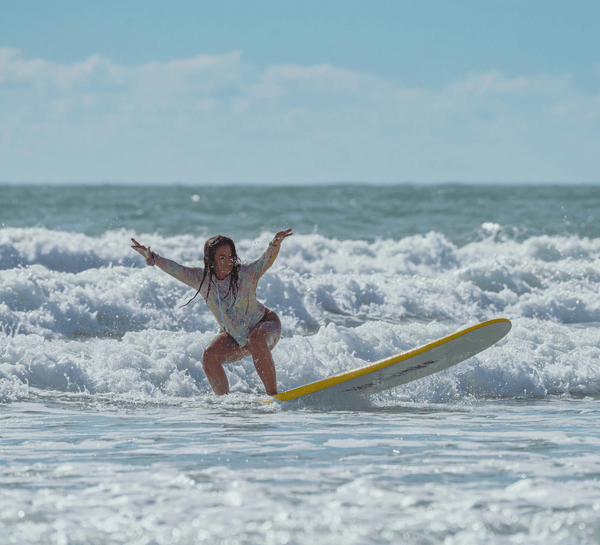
<point x="210" y="249"/>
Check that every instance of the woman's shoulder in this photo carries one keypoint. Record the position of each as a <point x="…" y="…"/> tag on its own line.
<point x="256" y="267"/>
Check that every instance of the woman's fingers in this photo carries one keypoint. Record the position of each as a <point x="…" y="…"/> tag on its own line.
<point x="141" y="249"/>
<point x="282" y="234"/>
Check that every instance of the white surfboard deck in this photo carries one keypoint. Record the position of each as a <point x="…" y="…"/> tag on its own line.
<point x="407" y="366"/>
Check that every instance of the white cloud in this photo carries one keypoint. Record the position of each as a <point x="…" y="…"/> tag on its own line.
<point x="283" y="80"/>
<point x="203" y="74"/>
<point x="41" y="74"/>
<point x="494" y="83"/>
<point x="324" y="78"/>
<point x="218" y="118"/>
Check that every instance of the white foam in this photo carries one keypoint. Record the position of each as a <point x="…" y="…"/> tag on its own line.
<point x="342" y="304"/>
<point x="533" y="360"/>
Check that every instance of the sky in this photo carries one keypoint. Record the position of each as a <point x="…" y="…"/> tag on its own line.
<point x="302" y="92"/>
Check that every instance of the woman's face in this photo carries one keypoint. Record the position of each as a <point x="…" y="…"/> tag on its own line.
<point x="223" y="261"/>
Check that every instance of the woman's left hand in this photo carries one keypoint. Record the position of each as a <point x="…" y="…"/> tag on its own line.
<point x="278" y="239"/>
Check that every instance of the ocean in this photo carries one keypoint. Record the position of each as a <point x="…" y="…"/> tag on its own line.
<point x="110" y="432"/>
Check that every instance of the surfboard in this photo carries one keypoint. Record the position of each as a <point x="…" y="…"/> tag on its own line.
<point x="407" y="366"/>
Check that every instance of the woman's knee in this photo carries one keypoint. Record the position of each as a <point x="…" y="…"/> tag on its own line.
<point x="268" y="331"/>
<point x="222" y="350"/>
<point x="213" y="355"/>
<point x="263" y="338"/>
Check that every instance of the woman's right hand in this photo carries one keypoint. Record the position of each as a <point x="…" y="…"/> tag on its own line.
<point x="141" y="249"/>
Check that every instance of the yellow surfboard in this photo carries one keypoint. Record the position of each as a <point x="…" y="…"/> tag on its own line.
<point x="407" y="366"/>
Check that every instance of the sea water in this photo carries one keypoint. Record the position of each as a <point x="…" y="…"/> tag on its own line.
<point x="110" y="432"/>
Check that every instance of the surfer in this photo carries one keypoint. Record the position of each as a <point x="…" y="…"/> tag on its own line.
<point x="228" y="287"/>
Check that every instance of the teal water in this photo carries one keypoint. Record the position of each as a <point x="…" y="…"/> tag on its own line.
<point x="344" y="211"/>
<point x="111" y="434"/>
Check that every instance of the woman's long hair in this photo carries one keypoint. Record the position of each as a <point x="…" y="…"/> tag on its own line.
<point x="210" y="249"/>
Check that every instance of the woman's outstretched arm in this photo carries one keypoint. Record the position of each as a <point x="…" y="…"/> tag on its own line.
<point x="192" y="276"/>
<point x="268" y="258"/>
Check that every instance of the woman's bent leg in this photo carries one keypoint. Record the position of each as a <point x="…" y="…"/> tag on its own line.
<point x="222" y="350"/>
<point x="263" y="338"/>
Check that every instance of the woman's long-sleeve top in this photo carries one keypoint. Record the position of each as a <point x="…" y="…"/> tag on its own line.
<point x="239" y="316"/>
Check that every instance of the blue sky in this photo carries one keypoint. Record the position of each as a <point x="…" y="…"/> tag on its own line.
<point x="299" y="92"/>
